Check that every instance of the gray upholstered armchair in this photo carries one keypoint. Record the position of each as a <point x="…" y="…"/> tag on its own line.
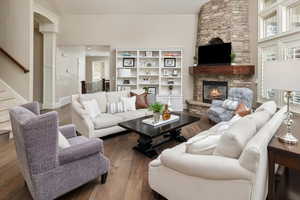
<point x="48" y="170"/>
<point x="217" y="113"/>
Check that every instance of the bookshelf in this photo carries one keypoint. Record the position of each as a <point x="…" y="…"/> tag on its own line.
<point x="158" y="69"/>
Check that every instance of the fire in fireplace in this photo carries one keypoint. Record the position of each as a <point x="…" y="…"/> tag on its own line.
<point x="214" y="90"/>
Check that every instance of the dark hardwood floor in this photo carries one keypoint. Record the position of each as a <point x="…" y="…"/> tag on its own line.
<point x="127" y="179"/>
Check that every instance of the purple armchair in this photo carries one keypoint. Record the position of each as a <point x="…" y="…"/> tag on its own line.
<point x="48" y="170"/>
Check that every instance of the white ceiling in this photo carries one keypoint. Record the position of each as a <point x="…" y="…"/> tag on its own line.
<point x="127" y="6"/>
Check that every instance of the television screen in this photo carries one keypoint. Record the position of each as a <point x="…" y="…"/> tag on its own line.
<point x="214" y="54"/>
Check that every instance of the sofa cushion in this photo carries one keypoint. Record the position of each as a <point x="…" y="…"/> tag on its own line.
<point x="116" y="96"/>
<point x="106" y="120"/>
<point x="202" y="146"/>
<point x="133" y="114"/>
<point x="99" y="96"/>
<point x="269" y="107"/>
<point x="92" y="107"/>
<point x="233" y="141"/>
<point x="259" y="118"/>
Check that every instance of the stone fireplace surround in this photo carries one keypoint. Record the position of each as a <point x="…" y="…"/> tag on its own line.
<point x="228" y="20"/>
<point x="197" y="105"/>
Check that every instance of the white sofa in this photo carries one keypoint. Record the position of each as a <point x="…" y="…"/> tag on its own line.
<point x="178" y="175"/>
<point x="105" y="124"/>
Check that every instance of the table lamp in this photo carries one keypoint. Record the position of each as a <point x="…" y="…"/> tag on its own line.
<point x="284" y="75"/>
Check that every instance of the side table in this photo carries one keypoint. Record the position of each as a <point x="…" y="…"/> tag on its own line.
<point x="283" y="154"/>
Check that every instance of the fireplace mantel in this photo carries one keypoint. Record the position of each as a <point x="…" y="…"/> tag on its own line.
<point x="246" y="70"/>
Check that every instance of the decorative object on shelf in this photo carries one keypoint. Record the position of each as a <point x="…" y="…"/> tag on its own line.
<point x="128" y="62"/>
<point x="149" y="54"/>
<point x="232" y="57"/>
<point x="126" y="54"/>
<point x="166" y="115"/>
<point x="171" y="82"/>
<point x="152" y="90"/>
<point x="171" y="87"/>
<point x="146" y="89"/>
<point x="288" y="74"/>
<point x="126" y="82"/>
<point x="148" y="72"/>
<point x="175" y="73"/>
<point x="157" y="109"/>
<point x="149" y="64"/>
<point x="166" y="72"/>
<point x="170" y="62"/>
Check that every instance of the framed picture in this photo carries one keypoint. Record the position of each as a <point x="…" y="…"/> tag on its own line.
<point x="152" y="90"/>
<point x="170" y="62"/>
<point x="128" y="62"/>
<point x="127" y="82"/>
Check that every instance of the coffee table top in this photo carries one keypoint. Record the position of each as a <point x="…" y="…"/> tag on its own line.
<point x="141" y="128"/>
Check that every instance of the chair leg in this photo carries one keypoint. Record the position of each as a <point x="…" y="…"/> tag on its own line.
<point x="103" y="178"/>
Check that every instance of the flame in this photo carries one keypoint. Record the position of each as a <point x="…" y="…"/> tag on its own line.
<point x="215" y="93"/>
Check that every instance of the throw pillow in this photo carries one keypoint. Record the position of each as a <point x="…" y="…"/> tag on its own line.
<point x="233" y="141"/>
<point x="242" y="110"/>
<point x="141" y="100"/>
<point x="62" y="141"/>
<point x="112" y="108"/>
<point x="202" y="146"/>
<point x="230" y="104"/>
<point x="129" y="103"/>
<point x="92" y="107"/>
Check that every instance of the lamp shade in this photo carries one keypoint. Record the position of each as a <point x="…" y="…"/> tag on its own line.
<point x="282" y="75"/>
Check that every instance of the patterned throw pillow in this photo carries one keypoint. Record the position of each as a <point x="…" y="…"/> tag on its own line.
<point x="230" y="104"/>
<point x="129" y="103"/>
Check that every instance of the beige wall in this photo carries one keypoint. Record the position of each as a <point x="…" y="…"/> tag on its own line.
<point x="134" y="31"/>
<point x="16" y="37"/>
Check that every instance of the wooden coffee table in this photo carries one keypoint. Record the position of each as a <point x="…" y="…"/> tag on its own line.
<point x="170" y="131"/>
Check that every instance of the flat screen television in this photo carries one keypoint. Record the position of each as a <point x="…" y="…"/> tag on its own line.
<point x="215" y="54"/>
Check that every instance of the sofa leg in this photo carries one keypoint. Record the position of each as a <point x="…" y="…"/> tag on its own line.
<point x="103" y="178"/>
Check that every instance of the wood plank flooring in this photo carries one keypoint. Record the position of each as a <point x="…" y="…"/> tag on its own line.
<point x="127" y="179"/>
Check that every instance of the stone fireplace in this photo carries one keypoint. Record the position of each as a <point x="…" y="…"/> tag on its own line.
<point x="227" y="20"/>
<point x="214" y="90"/>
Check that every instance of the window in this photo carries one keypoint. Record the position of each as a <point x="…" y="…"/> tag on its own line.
<point x="268" y="3"/>
<point x="270" y="25"/>
<point x="294" y="17"/>
<point x="268" y="54"/>
<point x="293" y="53"/>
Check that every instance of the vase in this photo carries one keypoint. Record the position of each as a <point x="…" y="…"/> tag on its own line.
<point x="156" y="117"/>
<point x="166" y="113"/>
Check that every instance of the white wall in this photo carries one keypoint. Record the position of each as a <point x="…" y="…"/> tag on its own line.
<point x="134" y="31"/>
<point x="16" y="37"/>
<point x="70" y="70"/>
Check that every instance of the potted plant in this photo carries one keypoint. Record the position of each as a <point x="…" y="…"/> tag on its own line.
<point x="157" y="108"/>
<point x="232" y="56"/>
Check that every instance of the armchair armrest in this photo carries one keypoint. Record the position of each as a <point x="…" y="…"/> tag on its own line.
<point x="68" y="131"/>
<point x="218" y="103"/>
<point x="83" y="150"/>
<point x="208" y="167"/>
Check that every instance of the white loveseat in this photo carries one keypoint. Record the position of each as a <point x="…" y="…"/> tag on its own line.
<point x="105" y="124"/>
<point x="178" y="175"/>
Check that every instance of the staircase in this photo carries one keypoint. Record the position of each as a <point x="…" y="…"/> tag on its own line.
<point x="8" y="99"/>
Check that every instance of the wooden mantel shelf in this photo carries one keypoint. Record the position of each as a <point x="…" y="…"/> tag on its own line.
<point x="246" y="70"/>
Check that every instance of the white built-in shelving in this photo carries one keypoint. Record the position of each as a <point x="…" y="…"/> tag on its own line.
<point x="148" y="70"/>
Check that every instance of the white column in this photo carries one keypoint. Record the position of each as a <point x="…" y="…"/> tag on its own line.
<point x="49" y="32"/>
